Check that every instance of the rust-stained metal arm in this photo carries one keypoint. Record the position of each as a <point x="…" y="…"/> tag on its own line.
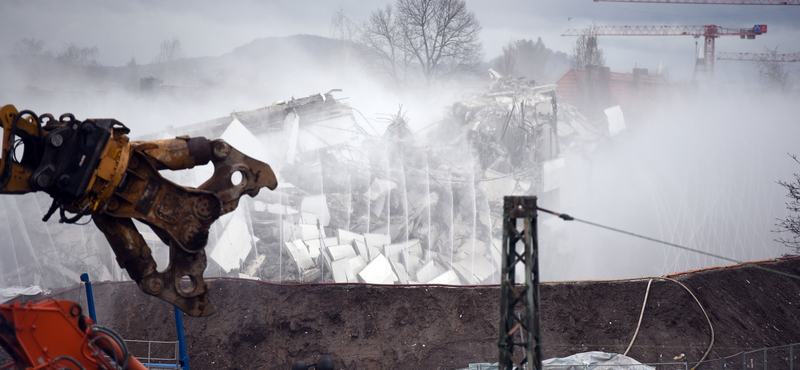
<point x="227" y="161"/>
<point x="90" y="168"/>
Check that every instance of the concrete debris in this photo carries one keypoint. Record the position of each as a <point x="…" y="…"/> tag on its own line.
<point x="316" y="245"/>
<point x="239" y="136"/>
<point x="310" y="231"/>
<point x="553" y="174"/>
<point x="616" y="122"/>
<point x="299" y="252"/>
<point x="447" y="278"/>
<point x="254" y="265"/>
<point x="361" y="248"/>
<point x="401" y="207"/>
<point x="340" y="270"/>
<point x="235" y="243"/>
<point x="378" y="271"/>
<point x="337" y="252"/>
<point x="399" y="270"/>
<point x="427" y="272"/>
<point x="318" y="206"/>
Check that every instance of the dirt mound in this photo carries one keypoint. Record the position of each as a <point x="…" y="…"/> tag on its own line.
<point x="268" y="326"/>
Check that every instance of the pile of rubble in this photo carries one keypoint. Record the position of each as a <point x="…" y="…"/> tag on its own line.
<point x="355" y="204"/>
<point x="397" y="208"/>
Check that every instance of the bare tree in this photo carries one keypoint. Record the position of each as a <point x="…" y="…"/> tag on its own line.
<point x="791" y="224"/>
<point x="29" y="47"/>
<point x="772" y="72"/>
<point x="532" y="58"/>
<point x="506" y="64"/>
<point x="432" y="40"/>
<point x="382" y="37"/>
<point x="133" y="75"/>
<point x="524" y="58"/>
<point x="76" y="56"/>
<point x="586" y="53"/>
<point x="342" y="27"/>
<point x="345" y="30"/>
<point x="170" y="57"/>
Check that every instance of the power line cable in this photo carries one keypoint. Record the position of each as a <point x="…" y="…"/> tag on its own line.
<point x="567" y="217"/>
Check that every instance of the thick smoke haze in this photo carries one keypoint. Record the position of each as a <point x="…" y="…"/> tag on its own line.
<point x="699" y="169"/>
<point x="700" y="172"/>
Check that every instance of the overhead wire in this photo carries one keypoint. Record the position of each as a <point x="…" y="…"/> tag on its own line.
<point x="567" y="217"/>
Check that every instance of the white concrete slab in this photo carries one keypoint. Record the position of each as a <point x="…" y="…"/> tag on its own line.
<point x="377" y="240"/>
<point x="447" y="278"/>
<point x="392" y="279"/>
<point x="310" y="231"/>
<point x="394" y="251"/>
<point x="415" y="247"/>
<point x="314" y="246"/>
<point x="616" y="121"/>
<point x="412" y="263"/>
<point x="341" y="268"/>
<point x="338" y="252"/>
<point x="373" y="252"/>
<point x="297" y="249"/>
<point x="346" y="237"/>
<point x="357" y="264"/>
<point x="427" y="272"/>
<point x="317" y="204"/>
<point x="378" y="271"/>
<point x="399" y="270"/>
<point x="292" y="123"/>
<point x="379" y="187"/>
<point x="255" y="264"/>
<point x="234" y="244"/>
<point x="244" y="141"/>
<point x="553" y="173"/>
<point x="361" y="248"/>
<point x="476" y="268"/>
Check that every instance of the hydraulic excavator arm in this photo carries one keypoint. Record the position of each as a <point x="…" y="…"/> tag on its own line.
<point x="90" y="168"/>
<point x="54" y="335"/>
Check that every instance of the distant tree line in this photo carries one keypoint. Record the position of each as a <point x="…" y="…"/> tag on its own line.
<point x="75" y="62"/>
<point x="532" y="60"/>
<point x="420" y="43"/>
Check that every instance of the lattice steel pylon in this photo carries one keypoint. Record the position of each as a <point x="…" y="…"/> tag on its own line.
<point x="520" y="212"/>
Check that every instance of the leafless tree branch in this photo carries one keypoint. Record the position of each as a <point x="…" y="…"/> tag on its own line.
<point x="423" y="40"/>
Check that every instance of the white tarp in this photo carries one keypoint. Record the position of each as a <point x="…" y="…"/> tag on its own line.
<point x="14" y="291"/>
<point x="596" y="360"/>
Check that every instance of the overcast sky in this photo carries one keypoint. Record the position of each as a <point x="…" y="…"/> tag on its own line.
<point x="122" y="29"/>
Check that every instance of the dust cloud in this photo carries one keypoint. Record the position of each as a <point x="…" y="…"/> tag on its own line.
<point x="698" y="170"/>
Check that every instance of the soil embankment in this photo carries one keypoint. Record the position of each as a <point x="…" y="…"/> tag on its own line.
<point x="267" y="326"/>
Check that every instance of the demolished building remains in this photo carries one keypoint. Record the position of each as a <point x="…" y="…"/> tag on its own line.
<point x="353" y="204"/>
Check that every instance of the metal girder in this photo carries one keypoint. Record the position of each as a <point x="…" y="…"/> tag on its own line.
<point x="713" y="2"/>
<point x="757" y="57"/>
<point x="697" y="31"/>
<point x="520" y="246"/>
